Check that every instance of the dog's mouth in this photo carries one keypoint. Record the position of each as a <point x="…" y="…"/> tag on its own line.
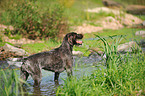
<point x="79" y="42"/>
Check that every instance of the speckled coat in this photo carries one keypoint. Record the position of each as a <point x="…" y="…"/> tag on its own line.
<point x="56" y="60"/>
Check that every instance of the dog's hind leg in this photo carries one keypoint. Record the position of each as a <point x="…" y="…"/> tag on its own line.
<point x="23" y="73"/>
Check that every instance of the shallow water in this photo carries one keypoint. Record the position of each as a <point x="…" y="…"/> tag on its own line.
<point x="82" y="66"/>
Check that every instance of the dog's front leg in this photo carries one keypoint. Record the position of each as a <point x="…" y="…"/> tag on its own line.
<point x="69" y="68"/>
<point x="56" y="76"/>
<point x="69" y="72"/>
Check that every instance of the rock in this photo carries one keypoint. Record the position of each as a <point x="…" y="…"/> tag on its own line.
<point x="136" y="9"/>
<point x="3" y="27"/>
<point x="121" y="18"/>
<point x="129" y="20"/>
<point x="77" y="53"/>
<point x="128" y="47"/>
<point x="142" y="43"/>
<point x="110" y="3"/>
<point x="140" y="33"/>
<point x="111" y="23"/>
<point x="104" y="9"/>
<point x="17" y="51"/>
<point x="143" y="23"/>
<point x="85" y="28"/>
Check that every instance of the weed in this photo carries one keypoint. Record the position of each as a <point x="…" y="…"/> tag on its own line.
<point x="9" y="83"/>
<point x="122" y="74"/>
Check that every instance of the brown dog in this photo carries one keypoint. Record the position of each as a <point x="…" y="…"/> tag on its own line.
<point x="56" y="60"/>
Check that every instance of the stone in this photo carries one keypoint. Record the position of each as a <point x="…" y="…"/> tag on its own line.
<point x="111" y="3"/>
<point x="127" y="47"/>
<point x="129" y="20"/>
<point x="86" y="28"/>
<point x="77" y="53"/>
<point x="104" y="9"/>
<point x="111" y="23"/>
<point x="143" y="23"/>
<point x="3" y="27"/>
<point x="19" y="52"/>
<point x="136" y="9"/>
<point x="121" y="17"/>
<point x="140" y="33"/>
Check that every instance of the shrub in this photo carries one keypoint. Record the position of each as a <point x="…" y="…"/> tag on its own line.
<point x="30" y="21"/>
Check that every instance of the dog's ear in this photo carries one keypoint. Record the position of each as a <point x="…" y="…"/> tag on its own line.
<point x="70" y="39"/>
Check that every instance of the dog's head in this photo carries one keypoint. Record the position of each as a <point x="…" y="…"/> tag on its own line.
<point x="73" y="37"/>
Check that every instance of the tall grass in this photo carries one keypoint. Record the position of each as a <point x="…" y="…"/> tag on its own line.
<point x="10" y="83"/>
<point x="121" y="74"/>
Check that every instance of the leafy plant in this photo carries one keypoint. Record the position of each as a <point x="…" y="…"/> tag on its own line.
<point x="29" y="20"/>
<point x="123" y="74"/>
<point x="9" y="83"/>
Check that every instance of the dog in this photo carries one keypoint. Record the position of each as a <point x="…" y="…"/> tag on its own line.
<point x="56" y="60"/>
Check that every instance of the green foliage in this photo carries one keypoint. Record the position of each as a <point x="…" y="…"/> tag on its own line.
<point x="32" y="22"/>
<point x="121" y="74"/>
<point x="9" y="83"/>
<point x="39" y="47"/>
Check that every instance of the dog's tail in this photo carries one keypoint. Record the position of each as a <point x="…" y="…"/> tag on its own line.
<point x="17" y="59"/>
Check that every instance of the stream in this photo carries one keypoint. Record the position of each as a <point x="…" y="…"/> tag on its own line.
<point x="82" y="66"/>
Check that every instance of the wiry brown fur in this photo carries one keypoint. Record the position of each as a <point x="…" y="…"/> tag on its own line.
<point x="56" y="60"/>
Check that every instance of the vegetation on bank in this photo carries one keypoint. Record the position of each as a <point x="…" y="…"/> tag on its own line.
<point x="10" y="83"/>
<point x="47" y="19"/>
<point x="43" y="19"/>
<point x="121" y="74"/>
<point x="31" y="21"/>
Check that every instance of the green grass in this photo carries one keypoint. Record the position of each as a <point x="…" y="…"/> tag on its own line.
<point x="10" y="83"/>
<point x="128" y="33"/>
<point x="39" y="47"/>
<point x="120" y="75"/>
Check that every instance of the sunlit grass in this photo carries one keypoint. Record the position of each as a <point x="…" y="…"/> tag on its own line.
<point x="119" y="75"/>
<point x="10" y="83"/>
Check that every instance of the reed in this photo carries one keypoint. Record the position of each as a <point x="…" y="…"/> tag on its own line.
<point x="121" y="74"/>
<point x="10" y="83"/>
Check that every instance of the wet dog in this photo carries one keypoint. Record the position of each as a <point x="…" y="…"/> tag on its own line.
<point x="56" y="60"/>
